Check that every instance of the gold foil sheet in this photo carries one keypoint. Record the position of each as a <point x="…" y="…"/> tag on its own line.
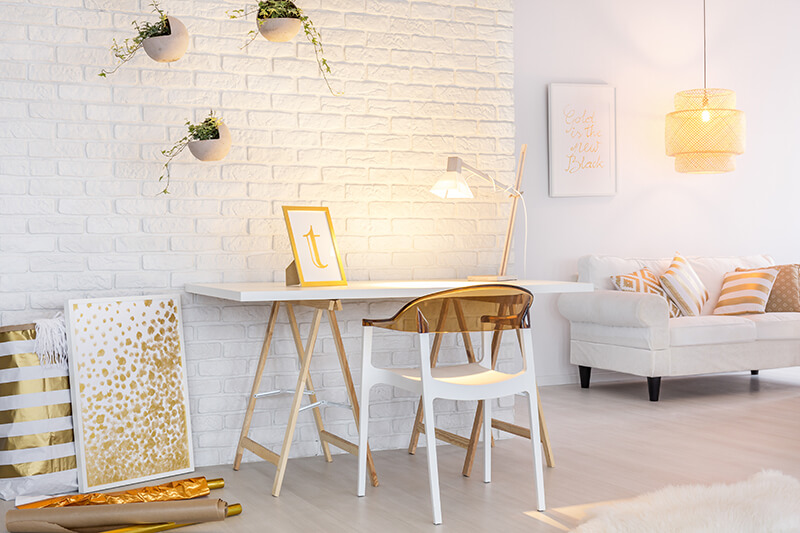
<point x="37" y="440"/>
<point x="35" y="468"/>
<point x="39" y="412"/>
<point x="18" y="333"/>
<point x="19" y="360"/>
<point x="34" y="385"/>
<point x="183" y="489"/>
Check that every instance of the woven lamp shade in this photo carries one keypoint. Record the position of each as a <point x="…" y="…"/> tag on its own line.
<point x="705" y="131"/>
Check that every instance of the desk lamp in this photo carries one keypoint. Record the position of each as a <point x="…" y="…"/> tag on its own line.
<point x="454" y="185"/>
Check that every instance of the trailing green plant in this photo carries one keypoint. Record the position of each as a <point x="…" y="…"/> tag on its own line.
<point x="204" y="131"/>
<point x="127" y="49"/>
<point x="273" y="9"/>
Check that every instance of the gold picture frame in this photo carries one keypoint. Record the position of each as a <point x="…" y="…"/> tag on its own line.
<point x="314" y="250"/>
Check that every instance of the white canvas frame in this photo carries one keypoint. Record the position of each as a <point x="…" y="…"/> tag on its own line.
<point x="78" y="353"/>
<point x="582" y="140"/>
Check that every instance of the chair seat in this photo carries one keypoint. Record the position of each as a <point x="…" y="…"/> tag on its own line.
<point x="467" y="374"/>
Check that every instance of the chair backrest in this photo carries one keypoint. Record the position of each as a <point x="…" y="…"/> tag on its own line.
<point x="475" y="308"/>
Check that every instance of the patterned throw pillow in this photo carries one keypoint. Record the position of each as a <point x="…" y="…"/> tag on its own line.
<point x="37" y="452"/>
<point x="745" y="292"/>
<point x="683" y="287"/>
<point x="785" y="294"/>
<point x="644" y="281"/>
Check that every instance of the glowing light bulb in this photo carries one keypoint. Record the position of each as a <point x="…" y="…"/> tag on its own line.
<point x="705" y="115"/>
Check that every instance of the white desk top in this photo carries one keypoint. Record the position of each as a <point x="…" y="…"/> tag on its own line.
<point x="363" y="290"/>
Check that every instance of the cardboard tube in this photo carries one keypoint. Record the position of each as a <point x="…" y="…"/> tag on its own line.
<point x="69" y="519"/>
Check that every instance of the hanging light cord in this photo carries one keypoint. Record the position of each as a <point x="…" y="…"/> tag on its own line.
<point x="705" y="85"/>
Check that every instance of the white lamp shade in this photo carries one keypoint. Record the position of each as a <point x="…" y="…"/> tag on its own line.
<point x="453" y="185"/>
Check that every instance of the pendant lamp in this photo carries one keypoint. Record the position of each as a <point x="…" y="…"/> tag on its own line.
<point x="706" y="130"/>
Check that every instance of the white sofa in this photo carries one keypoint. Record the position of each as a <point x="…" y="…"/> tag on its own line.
<point x="632" y="332"/>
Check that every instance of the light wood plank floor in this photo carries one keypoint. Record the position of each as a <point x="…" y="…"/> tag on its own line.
<point x="609" y="441"/>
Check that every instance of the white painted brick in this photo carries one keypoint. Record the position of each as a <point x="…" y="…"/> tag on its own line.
<point x="81" y="158"/>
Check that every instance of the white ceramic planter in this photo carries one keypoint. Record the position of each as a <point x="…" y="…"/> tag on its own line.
<point x="279" y="30"/>
<point x="212" y="149"/>
<point x="167" y="48"/>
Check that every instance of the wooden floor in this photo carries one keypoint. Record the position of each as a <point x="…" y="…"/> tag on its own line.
<point x="609" y="442"/>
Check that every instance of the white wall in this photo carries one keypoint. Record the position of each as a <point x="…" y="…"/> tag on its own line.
<point x="79" y="161"/>
<point x="649" y="51"/>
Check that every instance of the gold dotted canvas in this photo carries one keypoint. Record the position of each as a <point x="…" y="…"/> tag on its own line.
<point x="130" y="401"/>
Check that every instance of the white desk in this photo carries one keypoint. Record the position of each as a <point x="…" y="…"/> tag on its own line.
<point x="329" y="299"/>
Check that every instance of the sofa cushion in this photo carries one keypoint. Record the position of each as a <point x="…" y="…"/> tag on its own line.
<point x="711" y="270"/>
<point x="699" y="330"/>
<point x="745" y="292"/>
<point x="683" y="287"/>
<point x="776" y="325"/>
<point x="597" y="269"/>
<point x="785" y="294"/>
<point x="644" y="281"/>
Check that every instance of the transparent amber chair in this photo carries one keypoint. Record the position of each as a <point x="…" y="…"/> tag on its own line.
<point x="480" y="308"/>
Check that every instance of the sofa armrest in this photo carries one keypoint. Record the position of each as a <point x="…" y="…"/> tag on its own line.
<point x="615" y="308"/>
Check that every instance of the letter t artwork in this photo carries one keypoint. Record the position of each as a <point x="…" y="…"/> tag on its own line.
<point x="316" y="258"/>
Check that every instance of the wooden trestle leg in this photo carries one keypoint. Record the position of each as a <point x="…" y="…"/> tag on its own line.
<point x="304" y="383"/>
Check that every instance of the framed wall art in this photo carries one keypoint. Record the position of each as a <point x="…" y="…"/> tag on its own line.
<point x="316" y="257"/>
<point x="582" y="126"/>
<point x="130" y="402"/>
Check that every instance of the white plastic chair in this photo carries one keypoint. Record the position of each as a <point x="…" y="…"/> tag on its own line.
<point x="483" y="308"/>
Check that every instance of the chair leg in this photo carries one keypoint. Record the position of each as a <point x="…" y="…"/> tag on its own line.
<point x="363" y="418"/>
<point x="433" y="468"/>
<point x="487" y="441"/>
<point x="533" y="415"/>
<point x="537" y="449"/>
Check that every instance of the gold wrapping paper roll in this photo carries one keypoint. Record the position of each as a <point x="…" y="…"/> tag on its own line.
<point x="184" y="489"/>
<point x="74" y="519"/>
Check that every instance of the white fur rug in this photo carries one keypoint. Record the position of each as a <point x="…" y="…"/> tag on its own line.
<point x="767" y="502"/>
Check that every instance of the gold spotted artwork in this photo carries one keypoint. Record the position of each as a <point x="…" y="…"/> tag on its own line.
<point x="129" y="393"/>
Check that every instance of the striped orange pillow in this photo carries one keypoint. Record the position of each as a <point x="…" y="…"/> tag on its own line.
<point x="745" y="292"/>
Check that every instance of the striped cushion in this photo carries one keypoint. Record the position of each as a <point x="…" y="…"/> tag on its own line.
<point x="745" y="292"/>
<point x="785" y="294"/>
<point x="683" y="287"/>
<point x="644" y="281"/>
<point x="37" y="452"/>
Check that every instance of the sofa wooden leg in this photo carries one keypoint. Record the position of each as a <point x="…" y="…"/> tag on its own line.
<point x="754" y="372"/>
<point x="586" y="375"/>
<point x="654" y="387"/>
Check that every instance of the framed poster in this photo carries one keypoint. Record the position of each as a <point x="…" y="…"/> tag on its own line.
<point x="130" y="402"/>
<point x="582" y="126"/>
<point x="316" y="257"/>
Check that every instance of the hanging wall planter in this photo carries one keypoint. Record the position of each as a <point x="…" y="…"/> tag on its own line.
<point x="280" y="21"/>
<point x="209" y="140"/>
<point x="279" y="30"/>
<point x="212" y="149"/>
<point x="165" y="40"/>
<point x="168" y="48"/>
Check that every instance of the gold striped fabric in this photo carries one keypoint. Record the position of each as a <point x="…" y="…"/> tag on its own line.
<point x="683" y="287"/>
<point x="644" y="281"/>
<point x="37" y="450"/>
<point x="745" y="292"/>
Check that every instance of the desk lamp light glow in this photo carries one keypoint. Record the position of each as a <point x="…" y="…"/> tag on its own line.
<point x="454" y="185"/>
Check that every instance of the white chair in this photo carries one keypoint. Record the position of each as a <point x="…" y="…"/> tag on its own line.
<point x="481" y="308"/>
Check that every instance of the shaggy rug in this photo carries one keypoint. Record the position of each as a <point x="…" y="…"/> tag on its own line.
<point x="767" y="502"/>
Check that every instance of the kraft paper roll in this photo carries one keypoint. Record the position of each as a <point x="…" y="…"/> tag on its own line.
<point x="72" y="519"/>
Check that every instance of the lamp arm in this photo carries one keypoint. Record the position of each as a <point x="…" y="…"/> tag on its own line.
<point x="495" y="182"/>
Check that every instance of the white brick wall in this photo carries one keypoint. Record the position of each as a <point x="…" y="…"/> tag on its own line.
<point x="80" y="161"/>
